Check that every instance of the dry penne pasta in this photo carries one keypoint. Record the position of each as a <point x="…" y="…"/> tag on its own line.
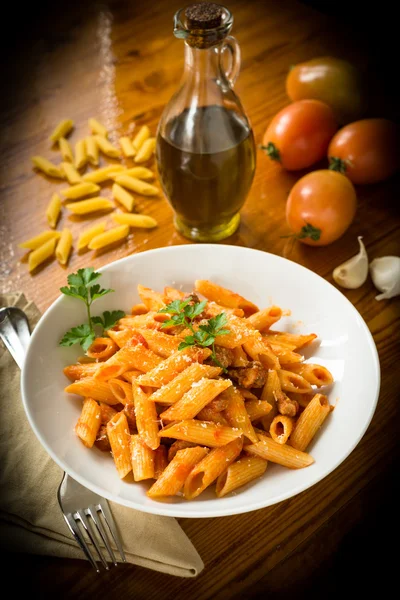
<point x="140" y="173"/>
<point x="281" y="428"/>
<point x="106" y="147"/>
<point x="137" y="185"/>
<point x="97" y="128"/>
<point x="191" y="403"/>
<point x="103" y="174"/>
<point x="71" y="174"/>
<point x="81" y="157"/>
<point x="47" y="167"/>
<point x="64" y="246"/>
<point x="66" y="150"/>
<point x="123" y="197"/>
<point x="171" y="481"/>
<point x="146" y="150"/>
<point x="141" y="221"/>
<point x="115" y="234"/>
<point x="141" y="137"/>
<point x="38" y="256"/>
<point x="63" y="129"/>
<point x="239" y="473"/>
<point x="282" y="454"/>
<point x="39" y="240"/>
<point x="80" y="190"/>
<point x="143" y="459"/>
<point x="92" y="150"/>
<point x="210" y="467"/>
<point x="127" y="147"/>
<point x="310" y="421"/>
<point x="102" y="348"/>
<point x="119" y="437"/>
<point x="88" y="234"/>
<point x="201" y="432"/>
<point x="88" y="206"/>
<point x="89" y="422"/>
<point x="53" y="210"/>
<point x="314" y="374"/>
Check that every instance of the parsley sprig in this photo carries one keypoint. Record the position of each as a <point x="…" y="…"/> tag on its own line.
<point x="81" y="286"/>
<point x="184" y="312"/>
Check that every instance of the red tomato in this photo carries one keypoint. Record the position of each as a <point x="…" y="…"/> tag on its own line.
<point x="331" y="80"/>
<point x="320" y="207"/>
<point x="367" y="151"/>
<point x="299" y="135"/>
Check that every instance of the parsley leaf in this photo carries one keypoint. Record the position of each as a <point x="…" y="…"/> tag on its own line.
<point x="78" y="335"/>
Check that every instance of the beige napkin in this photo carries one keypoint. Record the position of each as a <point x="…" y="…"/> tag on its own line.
<point x="30" y="517"/>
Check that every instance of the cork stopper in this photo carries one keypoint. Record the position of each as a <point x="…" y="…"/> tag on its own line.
<point x="204" y="15"/>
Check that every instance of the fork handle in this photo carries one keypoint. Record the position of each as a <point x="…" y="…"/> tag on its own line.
<point x="10" y="336"/>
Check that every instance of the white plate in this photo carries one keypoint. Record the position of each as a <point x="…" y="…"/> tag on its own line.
<point x="346" y="348"/>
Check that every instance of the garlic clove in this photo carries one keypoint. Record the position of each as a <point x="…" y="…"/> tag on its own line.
<point x="353" y="272"/>
<point x="385" y="274"/>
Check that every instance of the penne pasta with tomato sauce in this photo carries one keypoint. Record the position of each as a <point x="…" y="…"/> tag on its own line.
<point x="204" y="401"/>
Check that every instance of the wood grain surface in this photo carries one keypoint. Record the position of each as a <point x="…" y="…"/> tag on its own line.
<point x="120" y="62"/>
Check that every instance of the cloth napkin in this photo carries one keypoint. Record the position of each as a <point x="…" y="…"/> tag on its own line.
<point x="30" y="517"/>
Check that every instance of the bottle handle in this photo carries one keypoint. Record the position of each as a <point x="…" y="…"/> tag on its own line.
<point x="232" y="46"/>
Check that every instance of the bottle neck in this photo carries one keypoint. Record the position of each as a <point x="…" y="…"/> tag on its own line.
<point x="201" y="64"/>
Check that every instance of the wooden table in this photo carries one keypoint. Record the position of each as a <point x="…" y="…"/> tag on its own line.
<point x="122" y="64"/>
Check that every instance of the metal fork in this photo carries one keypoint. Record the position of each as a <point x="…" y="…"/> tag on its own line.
<point x="83" y="512"/>
<point x="77" y="503"/>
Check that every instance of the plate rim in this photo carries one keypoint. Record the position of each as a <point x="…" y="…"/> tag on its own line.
<point x="158" y="509"/>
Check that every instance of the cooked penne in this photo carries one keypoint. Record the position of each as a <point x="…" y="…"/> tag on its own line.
<point x="173" y="365"/>
<point x="281" y="428"/>
<point x="208" y="413"/>
<point x="53" y="210"/>
<point x="282" y="454"/>
<point x="106" y="147"/>
<point x="143" y="459"/>
<point x="131" y="375"/>
<point x="88" y="206"/>
<point x="103" y="174"/>
<point x="132" y="356"/>
<point x="291" y="382"/>
<point x="240" y="332"/>
<point x="102" y="348"/>
<point x="236" y="413"/>
<point x="141" y="137"/>
<point x="119" y="437"/>
<point x="97" y="128"/>
<point x="121" y="337"/>
<point x="80" y="190"/>
<point x="160" y="461"/>
<point x="107" y="412"/>
<point x="92" y="150"/>
<point x="151" y="299"/>
<point x="141" y="221"/>
<point x="140" y="173"/>
<point x="115" y="234"/>
<point x="239" y="473"/>
<point x="64" y="246"/>
<point x="92" y="388"/>
<point x="257" y="409"/>
<point x="161" y="343"/>
<point x="88" y="234"/>
<point x="66" y="151"/>
<point x="79" y="371"/>
<point x="263" y="319"/>
<point x="146" y="417"/>
<point x="314" y="374"/>
<point x="224" y="297"/>
<point x="71" y="174"/>
<point x="146" y="150"/>
<point x="260" y="350"/>
<point x="39" y="240"/>
<point x="81" y="157"/>
<point x="38" y="256"/>
<point x="182" y="383"/>
<point x="178" y="445"/>
<point x="310" y="421"/>
<point x="191" y="403"/>
<point x="47" y="167"/>
<point x="286" y="357"/>
<point x="123" y="197"/>
<point x="137" y="185"/>
<point x="201" y="432"/>
<point x="89" y="422"/>
<point x="294" y="341"/>
<point x="270" y="393"/>
<point x="172" y="479"/>
<point x="122" y="390"/>
<point x="127" y="147"/>
<point x="130" y="413"/>
<point x="302" y="399"/>
<point x="210" y="467"/>
<point x="63" y="129"/>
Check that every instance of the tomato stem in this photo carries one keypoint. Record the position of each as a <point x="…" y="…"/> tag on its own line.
<point x="307" y="231"/>
<point x="338" y="164"/>
<point x="272" y="151"/>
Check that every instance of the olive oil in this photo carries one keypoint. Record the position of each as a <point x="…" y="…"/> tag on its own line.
<point x="206" y="163"/>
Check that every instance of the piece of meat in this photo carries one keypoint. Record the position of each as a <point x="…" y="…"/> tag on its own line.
<point x="102" y="442"/>
<point x="224" y="356"/>
<point x="286" y="406"/>
<point x="129" y="411"/>
<point x="178" y="445"/>
<point x="253" y="376"/>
